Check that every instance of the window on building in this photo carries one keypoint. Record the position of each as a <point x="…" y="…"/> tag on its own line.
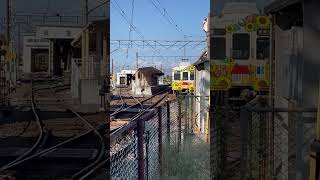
<point x="176" y="75"/>
<point x="263" y="45"/>
<point x="122" y="80"/>
<point x="185" y="76"/>
<point x="241" y="46"/>
<point x="218" y="48"/>
<point x="192" y="76"/>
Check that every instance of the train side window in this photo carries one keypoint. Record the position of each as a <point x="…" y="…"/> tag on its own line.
<point x="185" y="76"/>
<point x="263" y="45"/>
<point x="241" y="46"/>
<point x="177" y="75"/>
<point x="218" y="50"/>
<point x="192" y="76"/>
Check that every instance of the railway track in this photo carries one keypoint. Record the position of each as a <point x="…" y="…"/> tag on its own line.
<point x="137" y="103"/>
<point x="25" y="165"/>
<point x="123" y="98"/>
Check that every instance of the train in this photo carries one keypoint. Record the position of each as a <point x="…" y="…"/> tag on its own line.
<point x="240" y="49"/>
<point x="183" y="77"/>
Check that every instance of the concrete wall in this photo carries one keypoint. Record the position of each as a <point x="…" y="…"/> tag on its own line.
<point x="203" y="91"/>
<point x="75" y="79"/>
<point x="288" y="55"/>
<point x="89" y="91"/>
<point x="311" y="58"/>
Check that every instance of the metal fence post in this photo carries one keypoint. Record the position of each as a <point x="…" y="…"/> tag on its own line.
<point x="179" y="123"/>
<point x="168" y="122"/>
<point x="160" y="137"/>
<point x="140" y="149"/>
<point x="245" y="116"/>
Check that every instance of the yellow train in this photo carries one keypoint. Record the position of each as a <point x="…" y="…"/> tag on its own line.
<point x="183" y="78"/>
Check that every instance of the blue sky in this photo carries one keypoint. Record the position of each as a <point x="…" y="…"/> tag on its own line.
<point x="188" y="15"/>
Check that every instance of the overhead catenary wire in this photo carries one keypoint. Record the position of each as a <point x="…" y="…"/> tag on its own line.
<point x="125" y="17"/>
<point x="131" y="22"/>
<point x="166" y="15"/>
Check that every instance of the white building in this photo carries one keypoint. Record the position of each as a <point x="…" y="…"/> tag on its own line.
<point x="35" y="54"/>
<point x="48" y="50"/>
<point x="125" y="77"/>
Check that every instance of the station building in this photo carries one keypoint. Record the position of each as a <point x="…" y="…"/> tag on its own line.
<point x="146" y="81"/>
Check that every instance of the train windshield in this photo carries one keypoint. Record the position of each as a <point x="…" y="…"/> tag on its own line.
<point x="241" y="46"/>
<point x="263" y="44"/>
<point x="219" y="48"/>
<point x="185" y="76"/>
<point x="176" y="75"/>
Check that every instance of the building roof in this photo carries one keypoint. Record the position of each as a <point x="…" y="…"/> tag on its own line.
<point x="203" y="58"/>
<point x="277" y="5"/>
<point x="151" y="70"/>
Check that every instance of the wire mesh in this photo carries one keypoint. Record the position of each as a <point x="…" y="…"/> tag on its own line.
<point x="124" y="158"/>
<point x="187" y="155"/>
<point x="152" y="150"/>
<point x="277" y="144"/>
<point x="167" y="149"/>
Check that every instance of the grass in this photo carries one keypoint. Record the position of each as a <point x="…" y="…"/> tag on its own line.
<point x="189" y="163"/>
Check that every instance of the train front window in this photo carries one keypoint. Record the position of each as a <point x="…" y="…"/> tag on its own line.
<point x="218" y="50"/>
<point x="185" y="76"/>
<point x="176" y="75"/>
<point x="241" y="46"/>
<point x="192" y="76"/>
<point x="263" y="45"/>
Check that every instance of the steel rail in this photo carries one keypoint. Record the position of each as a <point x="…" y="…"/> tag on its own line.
<point x="55" y="147"/>
<point x="122" y="103"/>
<point x="101" y="153"/>
<point x="141" y="102"/>
<point x="39" y="139"/>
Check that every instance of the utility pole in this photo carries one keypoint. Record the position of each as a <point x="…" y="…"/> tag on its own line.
<point x="8" y="17"/>
<point x="184" y="48"/>
<point x="19" y="52"/>
<point x="137" y="60"/>
<point x="85" y="11"/>
<point x="112" y="68"/>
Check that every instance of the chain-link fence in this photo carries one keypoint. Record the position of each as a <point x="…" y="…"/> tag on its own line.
<point x="276" y="141"/>
<point x="254" y="141"/>
<point x="160" y="145"/>
<point x="225" y="138"/>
